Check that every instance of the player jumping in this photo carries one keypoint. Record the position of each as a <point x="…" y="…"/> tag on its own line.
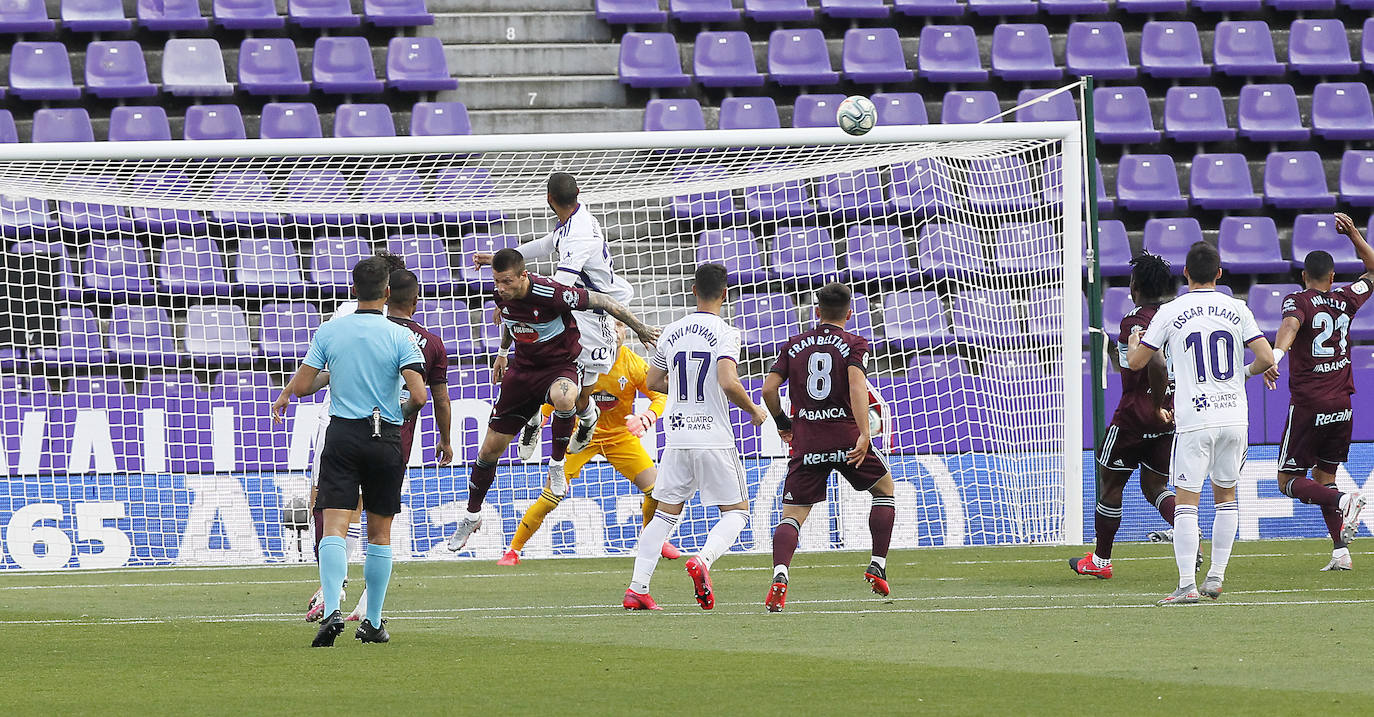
<point x="1315" y="328"/>
<point x="826" y="368"/>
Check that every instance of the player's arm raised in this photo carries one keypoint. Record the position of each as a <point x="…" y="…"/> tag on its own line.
<point x="858" y="396"/>
<point x="1346" y="226"/>
<point x="727" y="373"/>
<point x="772" y="400"/>
<point x="598" y="301"/>
<point x="638" y="423"/>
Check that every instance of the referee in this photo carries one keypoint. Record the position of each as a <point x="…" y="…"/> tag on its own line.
<point x="368" y="358"/>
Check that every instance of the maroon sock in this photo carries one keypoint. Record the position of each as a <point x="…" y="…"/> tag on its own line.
<point x="479" y="482"/>
<point x="1106" y="521"/>
<point x="785" y="538"/>
<point x="1335" y="522"/>
<point x="319" y="530"/>
<point x="562" y="427"/>
<point x="1310" y="491"/>
<point x="880" y="519"/>
<point x="1166" y="508"/>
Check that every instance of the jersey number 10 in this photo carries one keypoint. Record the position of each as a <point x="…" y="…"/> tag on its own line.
<point x="1222" y="354"/>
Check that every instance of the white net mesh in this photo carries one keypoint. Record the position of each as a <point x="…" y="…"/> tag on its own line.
<point x="154" y="307"/>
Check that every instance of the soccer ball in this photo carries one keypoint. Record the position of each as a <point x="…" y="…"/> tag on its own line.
<point x="856" y="115"/>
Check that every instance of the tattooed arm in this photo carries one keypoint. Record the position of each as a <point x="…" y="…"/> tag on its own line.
<point x="602" y="302"/>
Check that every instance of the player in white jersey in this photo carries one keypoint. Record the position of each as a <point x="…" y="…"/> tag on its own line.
<point x="584" y="260"/>
<point x="1204" y="333"/>
<point x="695" y="363"/>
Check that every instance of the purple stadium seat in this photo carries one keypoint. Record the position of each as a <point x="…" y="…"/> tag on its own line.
<point x="969" y="106"/>
<point x="1301" y="5"/>
<point x="1116" y="303"/>
<point x="874" y="9"/>
<point x="949" y="53"/>
<point x="931" y="8"/>
<point x="1123" y="116"/>
<point x="67" y="124"/>
<point x="1245" y="48"/>
<point x="427" y="256"/>
<point x="116" y="267"/>
<point x="467" y="184"/>
<point x="22" y="217"/>
<point x="1313" y="232"/>
<point x="1113" y="248"/>
<point x="1296" y="180"/>
<point x="1002" y="8"/>
<point x="247" y="386"/>
<point x="1148" y="183"/>
<point x="94" y="16"/>
<point x="1099" y="49"/>
<point x="800" y="57"/>
<point x="1196" y="114"/>
<point x="217" y="335"/>
<point x="712" y="207"/>
<point x="922" y="186"/>
<point x="1266" y="303"/>
<point x="876" y="252"/>
<point x="373" y="120"/>
<point x="749" y="113"/>
<point x="50" y="257"/>
<point x="191" y="266"/>
<point x="322" y="13"/>
<point x="171" y="186"/>
<point x="270" y="66"/>
<point x="725" y="59"/>
<point x="391" y="185"/>
<point x="8" y="133"/>
<point x="78" y="340"/>
<point x="736" y="250"/>
<point x="286" y="329"/>
<point x="1342" y="111"/>
<point x="1222" y="181"/>
<point x="874" y="56"/>
<point x="1152" y="6"/>
<point x="1170" y="239"/>
<point x="900" y="108"/>
<point x="805" y="255"/>
<point x="194" y="68"/>
<point x="1367" y="46"/>
<point x="289" y="120"/>
<point x="116" y="69"/>
<point x="171" y="15"/>
<point x="815" y="110"/>
<point x="243" y="186"/>
<point x="1039" y="108"/>
<point x="630" y="12"/>
<point x="1227" y="5"/>
<point x="852" y="195"/>
<point x="1269" y="113"/>
<point x="673" y="115"/>
<point x="650" y="59"/>
<point x="247" y="15"/>
<point x="1026" y="248"/>
<point x="778" y="11"/>
<point x="765" y="321"/>
<point x="142" y="336"/>
<point x="914" y="320"/>
<point x="417" y="64"/>
<point x="1054" y="191"/>
<point x="862" y="321"/>
<point x="944" y="250"/>
<point x="1022" y="53"/>
<point x="1000" y="184"/>
<point x="702" y="11"/>
<point x="313" y="185"/>
<point x="41" y="71"/>
<point x="397" y="13"/>
<point x="214" y="122"/>
<point x="450" y="320"/>
<point x="1172" y="49"/>
<point x="1357" y="177"/>
<point x="332" y="260"/>
<point x="1250" y="245"/>
<point x="343" y="65"/>
<point x="479" y="278"/>
<point x="85" y="216"/>
<point x="986" y="318"/>
<point x="783" y="200"/>
<point x="439" y="118"/>
<point x="269" y="266"/>
<point x="22" y="16"/>
<point x="1319" y="47"/>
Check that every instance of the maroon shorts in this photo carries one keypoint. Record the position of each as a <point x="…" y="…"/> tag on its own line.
<point x="808" y="473"/>
<point x="1126" y="451"/>
<point x="1315" y="437"/>
<point x="522" y="394"/>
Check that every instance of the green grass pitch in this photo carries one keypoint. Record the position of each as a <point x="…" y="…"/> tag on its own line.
<point x="967" y="631"/>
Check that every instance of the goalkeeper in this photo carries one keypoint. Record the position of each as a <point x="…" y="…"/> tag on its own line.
<point x="616" y="438"/>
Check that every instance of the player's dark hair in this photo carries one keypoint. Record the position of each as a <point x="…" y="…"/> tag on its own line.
<point x="1149" y="275"/>
<point x="1202" y="263"/>
<point x="405" y="287"/>
<point x="370" y="278"/>
<point x="507" y="260"/>
<point x="563" y="189"/>
<point x="1318" y="265"/>
<point x="834" y="300"/>
<point x="393" y="261"/>
<point x="711" y="281"/>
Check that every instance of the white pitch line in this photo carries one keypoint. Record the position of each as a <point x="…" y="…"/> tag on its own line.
<point x="1141" y="557"/>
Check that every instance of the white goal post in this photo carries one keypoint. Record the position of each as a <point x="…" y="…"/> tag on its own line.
<point x="159" y="292"/>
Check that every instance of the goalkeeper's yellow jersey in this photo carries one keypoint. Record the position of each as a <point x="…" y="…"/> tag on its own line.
<point x="615" y="392"/>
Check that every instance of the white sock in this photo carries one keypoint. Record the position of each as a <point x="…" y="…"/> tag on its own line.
<point x="1186" y="539"/>
<point x="355" y="536"/>
<point x="1100" y="561"/>
<point x="650" y="547"/>
<point x="880" y="560"/>
<point x="587" y="412"/>
<point x="723" y="535"/>
<point x="1340" y="552"/>
<point x="780" y="570"/>
<point x="361" y="609"/>
<point x="474" y="516"/>
<point x="1224" y="525"/>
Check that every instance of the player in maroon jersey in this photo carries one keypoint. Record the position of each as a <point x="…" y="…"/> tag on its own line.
<point x="828" y="431"/>
<point x="400" y="309"/>
<point x="1314" y="332"/>
<point x="536" y="315"/>
<point x="1141" y="433"/>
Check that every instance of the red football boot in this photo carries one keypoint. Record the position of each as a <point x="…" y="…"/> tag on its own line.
<point x="635" y="601"/>
<point x="777" y="594"/>
<point x="701" y="582"/>
<point x="1086" y="566"/>
<point x="510" y="558"/>
<point x="877" y="579"/>
<point x="670" y="551"/>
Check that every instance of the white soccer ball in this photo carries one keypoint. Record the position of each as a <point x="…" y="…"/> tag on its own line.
<point x="856" y="115"/>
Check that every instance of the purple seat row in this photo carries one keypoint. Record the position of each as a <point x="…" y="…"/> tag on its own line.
<point x="30" y="16"/>
<point x="1291" y="180"/>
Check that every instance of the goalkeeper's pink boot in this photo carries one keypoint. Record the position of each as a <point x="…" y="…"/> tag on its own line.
<point x="636" y="601"/>
<point x="510" y="558"/>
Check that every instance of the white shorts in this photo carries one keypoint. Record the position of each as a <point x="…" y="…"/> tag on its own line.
<point x="598" y="345"/>
<point x="1218" y="452"/>
<point x="319" y="448"/>
<point x="716" y="472"/>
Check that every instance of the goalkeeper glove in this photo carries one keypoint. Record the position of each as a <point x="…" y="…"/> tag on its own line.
<point x="638" y="423"/>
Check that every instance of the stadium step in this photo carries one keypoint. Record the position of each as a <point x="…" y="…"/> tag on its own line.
<point x="488" y="60"/>
<point x="437" y="6"/>
<point x="531" y="93"/>
<point x="486" y="28"/>
<point x="507" y="121"/>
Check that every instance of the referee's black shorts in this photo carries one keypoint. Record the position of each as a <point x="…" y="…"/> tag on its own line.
<point x="352" y="460"/>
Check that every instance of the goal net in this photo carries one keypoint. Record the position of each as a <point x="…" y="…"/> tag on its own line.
<point x="158" y="295"/>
